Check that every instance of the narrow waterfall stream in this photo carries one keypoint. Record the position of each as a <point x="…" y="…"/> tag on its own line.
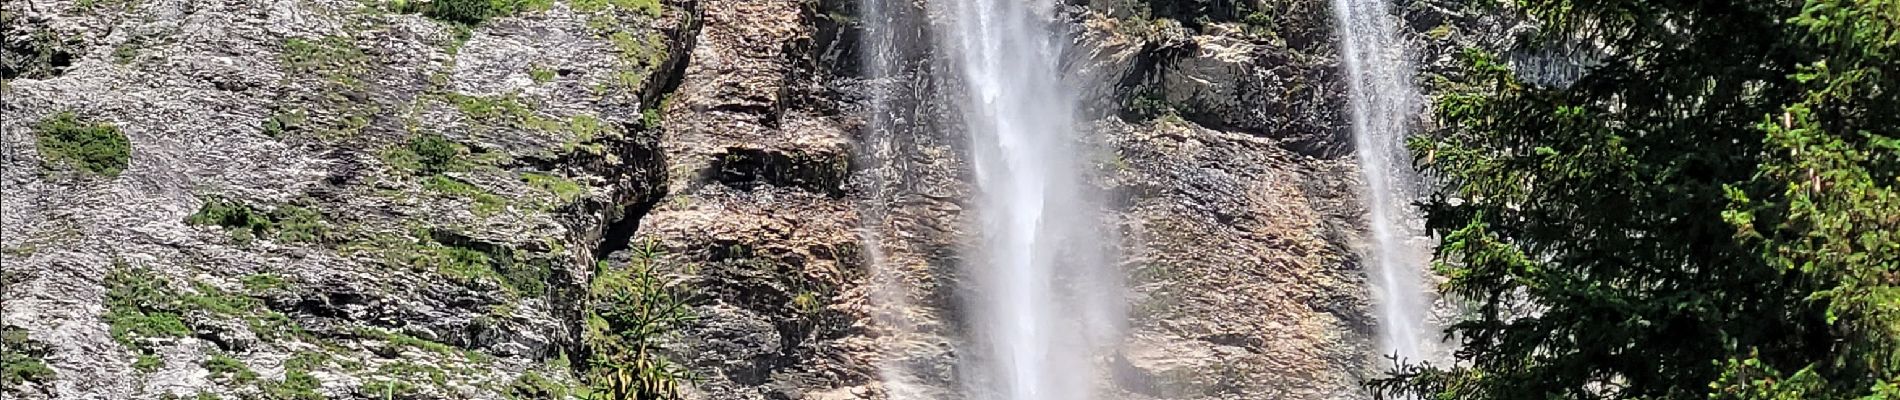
<point x="879" y="151"/>
<point x="1383" y="101"/>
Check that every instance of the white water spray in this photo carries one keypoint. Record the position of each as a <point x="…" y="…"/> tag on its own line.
<point x="1045" y="296"/>
<point x="1383" y="99"/>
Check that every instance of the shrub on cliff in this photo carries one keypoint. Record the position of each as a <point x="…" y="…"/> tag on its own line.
<point x="471" y="12"/>
<point x="631" y="307"/>
<point x="22" y="359"/>
<point x="94" y="147"/>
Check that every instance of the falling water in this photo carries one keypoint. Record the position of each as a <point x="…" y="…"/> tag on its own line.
<point x="1039" y="307"/>
<point x="878" y="157"/>
<point x="1383" y="100"/>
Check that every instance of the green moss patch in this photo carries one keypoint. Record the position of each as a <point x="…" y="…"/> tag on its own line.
<point x="22" y="359"/>
<point x="141" y="305"/>
<point x="518" y="273"/>
<point x="94" y="147"/>
<point x="288" y="223"/>
<point x="649" y="8"/>
<point x="338" y="108"/>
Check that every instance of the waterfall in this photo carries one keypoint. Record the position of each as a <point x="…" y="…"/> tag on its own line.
<point x="879" y="152"/>
<point x="1045" y="296"/>
<point x="1383" y="100"/>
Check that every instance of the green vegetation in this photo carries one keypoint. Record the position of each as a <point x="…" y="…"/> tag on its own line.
<point x="1197" y="13"/>
<point x="100" y="5"/>
<point x="335" y="58"/>
<point x="298" y="383"/>
<point x="510" y="111"/>
<point x="261" y="283"/>
<point x="1710" y="213"/>
<point x="541" y="74"/>
<point x="267" y="324"/>
<point x="503" y="111"/>
<point x="486" y="203"/>
<point x="148" y="363"/>
<point x="94" y="147"/>
<point x="283" y="122"/>
<point x="532" y="386"/>
<point x="340" y="110"/>
<point x="1148" y="105"/>
<point x="22" y="359"/>
<point x="199" y="396"/>
<point x="471" y="12"/>
<point x="649" y="8"/>
<point x="288" y="223"/>
<point x="430" y="154"/>
<point x="639" y="57"/>
<point x="391" y="389"/>
<point x="140" y="305"/>
<point x="125" y="53"/>
<point x="565" y="190"/>
<point x="652" y="117"/>
<point x="433" y="156"/>
<point x="584" y="130"/>
<point x="492" y="108"/>
<point x="629" y="309"/>
<point x="229" y="370"/>
<point x="807" y="303"/>
<point x="519" y="273"/>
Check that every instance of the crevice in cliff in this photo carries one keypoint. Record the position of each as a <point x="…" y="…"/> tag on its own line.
<point x="631" y="207"/>
<point x="638" y="181"/>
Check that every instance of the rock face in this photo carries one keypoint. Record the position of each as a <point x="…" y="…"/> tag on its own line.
<point x="341" y="199"/>
<point x="324" y="199"/>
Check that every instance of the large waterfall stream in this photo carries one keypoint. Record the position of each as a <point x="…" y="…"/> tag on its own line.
<point x="1383" y="100"/>
<point x="1044" y="286"/>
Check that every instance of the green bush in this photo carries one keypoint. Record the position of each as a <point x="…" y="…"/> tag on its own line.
<point x="34" y="54"/>
<point x="531" y="385"/>
<point x="258" y="283"/>
<point x="429" y="154"/>
<point x="1149" y="105"/>
<point x="565" y="190"/>
<point x="299" y="224"/>
<point x="335" y="58"/>
<point x="140" y="305"/>
<point x="486" y="203"/>
<point x="298" y="384"/>
<point x="289" y="223"/>
<point x="148" y="363"/>
<point x="94" y="147"/>
<point x="289" y="121"/>
<point x="649" y="8"/>
<point x="390" y="389"/>
<point x="242" y="221"/>
<point x="472" y="12"/>
<point x="229" y="370"/>
<point x="22" y="359"/>
<point x="541" y="74"/>
<point x="518" y="273"/>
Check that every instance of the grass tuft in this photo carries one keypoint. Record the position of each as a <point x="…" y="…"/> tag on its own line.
<point x="94" y="147"/>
